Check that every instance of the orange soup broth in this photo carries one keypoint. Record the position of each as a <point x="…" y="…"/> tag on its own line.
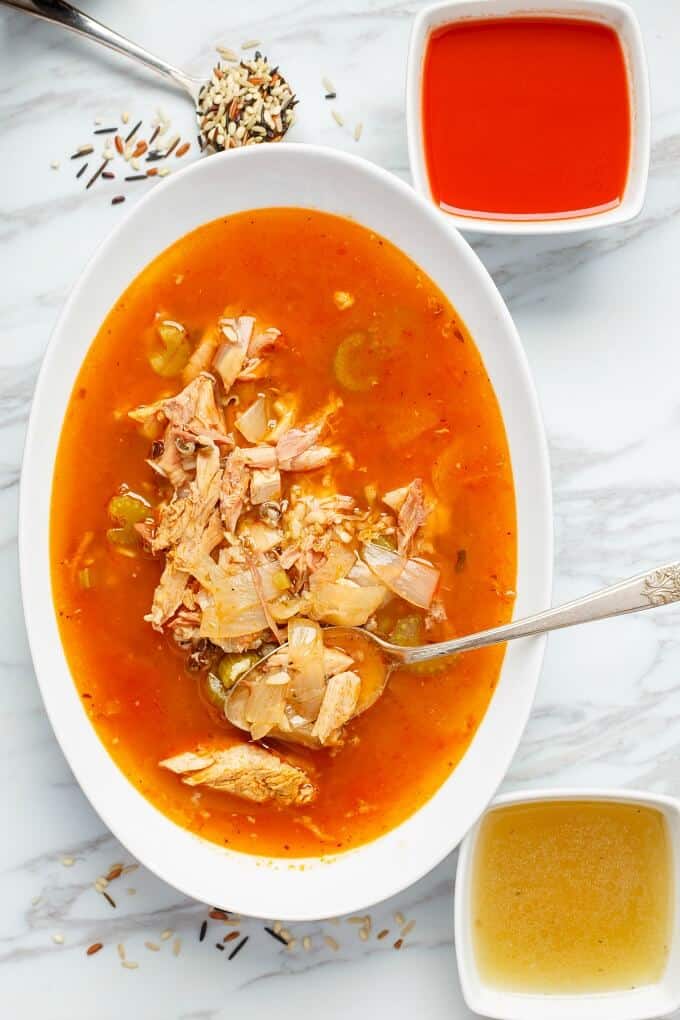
<point x="432" y="413"/>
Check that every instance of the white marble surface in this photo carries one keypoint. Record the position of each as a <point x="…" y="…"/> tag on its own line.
<point x="599" y="317"/>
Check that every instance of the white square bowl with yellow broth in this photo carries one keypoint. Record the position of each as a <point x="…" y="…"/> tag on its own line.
<point x="112" y="685"/>
<point x="568" y="905"/>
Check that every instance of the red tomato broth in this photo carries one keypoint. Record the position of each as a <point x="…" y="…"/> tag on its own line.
<point x="526" y="117"/>
<point x="132" y="680"/>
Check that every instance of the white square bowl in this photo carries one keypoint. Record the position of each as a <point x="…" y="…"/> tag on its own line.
<point x="618" y="16"/>
<point x="643" y="1003"/>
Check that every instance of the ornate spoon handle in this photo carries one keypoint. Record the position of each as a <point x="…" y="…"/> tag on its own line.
<point x="61" y="13"/>
<point x="657" y="587"/>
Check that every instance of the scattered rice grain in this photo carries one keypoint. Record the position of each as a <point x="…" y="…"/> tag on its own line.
<point x="227" y="54"/>
<point x="238" y="947"/>
<point x="337" y="118"/>
<point x="164" y="171"/>
<point x="68" y="862"/>
<point x="167" y="934"/>
<point x="153" y="946"/>
<point x="176" y="946"/>
<point x="125" y="116"/>
<point x="58" y="939"/>
<point x="363" y="934"/>
<point x="250" y="44"/>
<point x="130" y="964"/>
<point x="400" y="919"/>
<point x="357" y="131"/>
<point x="398" y="944"/>
<point x="94" y="948"/>
<point x="328" y="84"/>
<point x="331" y="943"/>
<point x="407" y="929"/>
<point x="121" y="950"/>
<point x="231" y="935"/>
<point x="291" y="943"/>
<point x="306" y="943"/>
<point x="55" y="164"/>
<point x="36" y="900"/>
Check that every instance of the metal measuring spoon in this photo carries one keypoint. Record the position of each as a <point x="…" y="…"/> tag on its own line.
<point x="61" y="13"/>
<point x="657" y="587"/>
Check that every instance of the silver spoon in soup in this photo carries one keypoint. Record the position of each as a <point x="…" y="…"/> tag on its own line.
<point x="308" y="689"/>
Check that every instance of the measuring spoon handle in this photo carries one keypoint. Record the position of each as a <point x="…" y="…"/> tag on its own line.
<point x="658" y="587"/>
<point x="60" y="12"/>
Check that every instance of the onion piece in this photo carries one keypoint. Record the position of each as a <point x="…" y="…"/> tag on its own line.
<point x="235" y="609"/>
<point x="413" y="580"/>
<point x="252" y="424"/>
<point x="305" y="650"/>
<point x="344" y="603"/>
<point x="265" y="708"/>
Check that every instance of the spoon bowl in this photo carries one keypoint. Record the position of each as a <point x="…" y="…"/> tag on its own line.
<point x="653" y="588"/>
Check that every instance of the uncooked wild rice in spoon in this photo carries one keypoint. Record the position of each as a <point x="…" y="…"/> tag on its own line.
<point x="244" y="104"/>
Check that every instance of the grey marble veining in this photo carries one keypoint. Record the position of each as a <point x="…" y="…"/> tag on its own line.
<point x="598" y="314"/>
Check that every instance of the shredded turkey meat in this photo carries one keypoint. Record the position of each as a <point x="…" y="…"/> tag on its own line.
<point x="252" y="535"/>
<point x="246" y="771"/>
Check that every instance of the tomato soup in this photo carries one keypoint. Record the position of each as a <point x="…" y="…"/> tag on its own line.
<point x="368" y="346"/>
<point x="526" y="117"/>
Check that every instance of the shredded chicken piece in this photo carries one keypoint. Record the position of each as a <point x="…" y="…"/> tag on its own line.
<point x="146" y="413"/>
<point x="195" y="409"/>
<point x="294" y="443"/>
<point x="412" y="515"/>
<point x="168" y="595"/>
<point x="244" y="771"/>
<point x="235" y="482"/>
<point x="261" y="457"/>
<point x="310" y="460"/>
<point x="262" y="342"/>
<point x="338" y="706"/>
<point x="202" y="356"/>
